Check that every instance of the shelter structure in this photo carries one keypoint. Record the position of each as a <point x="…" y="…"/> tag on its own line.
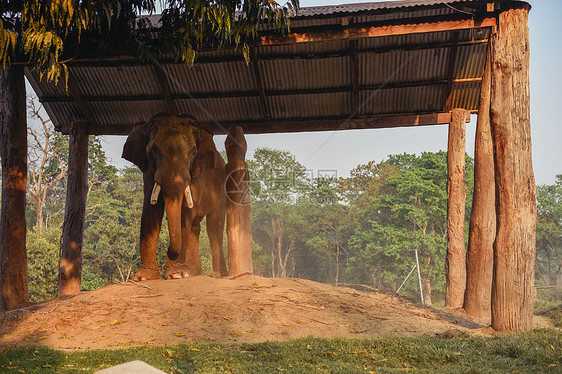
<point x="342" y="67"/>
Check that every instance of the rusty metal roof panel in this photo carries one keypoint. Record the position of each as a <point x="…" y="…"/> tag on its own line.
<point x="114" y="81"/>
<point x="219" y="77"/>
<point x="303" y="74"/>
<point x="222" y="110"/>
<point x="466" y="95"/>
<point x="45" y="88"/>
<point x="304" y="49"/>
<point x="63" y="113"/>
<point x="308" y="106"/>
<point x="113" y="112"/>
<point x="372" y="6"/>
<point x="403" y="66"/>
<point x="425" y="99"/>
<point x="420" y="40"/>
<point x="470" y="61"/>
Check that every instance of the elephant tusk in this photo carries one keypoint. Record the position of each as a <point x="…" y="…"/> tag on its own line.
<point x="188" y="197"/>
<point x="155" y="193"/>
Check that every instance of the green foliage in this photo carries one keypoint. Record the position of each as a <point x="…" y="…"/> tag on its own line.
<point x="549" y="232"/>
<point x="276" y="176"/>
<point x="47" y="32"/>
<point x="408" y="212"/>
<point x="91" y="280"/>
<point x="43" y="263"/>
<point x="278" y="181"/>
<point x="538" y="351"/>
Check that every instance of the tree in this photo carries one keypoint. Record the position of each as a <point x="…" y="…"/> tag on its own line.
<point x="408" y="214"/>
<point x="549" y="232"/>
<point x="46" y="163"/>
<point x="43" y="251"/>
<point x="278" y="180"/>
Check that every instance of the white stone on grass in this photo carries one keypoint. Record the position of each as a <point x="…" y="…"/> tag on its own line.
<point x="133" y="367"/>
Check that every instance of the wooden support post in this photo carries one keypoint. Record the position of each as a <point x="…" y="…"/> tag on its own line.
<point x="480" y="254"/>
<point x="514" y="249"/>
<point x="455" y="264"/>
<point x="13" y="152"/>
<point x="70" y="265"/>
<point x="238" y="212"/>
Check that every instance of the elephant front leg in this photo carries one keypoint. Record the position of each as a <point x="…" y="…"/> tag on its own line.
<point x="188" y="263"/>
<point x="151" y="222"/>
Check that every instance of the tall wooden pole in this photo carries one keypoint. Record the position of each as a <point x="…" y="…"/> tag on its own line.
<point x="70" y="264"/>
<point x="455" y="264"/>
<point x="480" y="254"/>
<point x="238" y="212"/>
<point x="514" y="249"/>
<point x="13" y="152"/>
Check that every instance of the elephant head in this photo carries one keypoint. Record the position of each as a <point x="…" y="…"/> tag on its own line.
<point x="164" y="150"/>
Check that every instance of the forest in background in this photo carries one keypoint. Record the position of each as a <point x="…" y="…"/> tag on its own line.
<point x="305" y="223"/>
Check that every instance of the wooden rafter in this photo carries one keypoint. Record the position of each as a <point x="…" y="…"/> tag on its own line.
<point x="354" y="71"/>
<point x="368" y="31"/>
<point x="451" y="70"/>
<point x="79" y="100"/>
<point x="236" y="94"/>
<point x="160" y="74"/>
<point x="259" y="82"/>
<point x="203" y="59"/>
<point x="302" y="124"/>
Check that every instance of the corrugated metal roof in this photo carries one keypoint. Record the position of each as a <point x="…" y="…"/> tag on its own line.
<point x="365" y="7"/>
<point x="360" y="77"/>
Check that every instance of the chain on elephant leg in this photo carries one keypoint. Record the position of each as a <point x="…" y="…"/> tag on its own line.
<point x="146" y="272"/>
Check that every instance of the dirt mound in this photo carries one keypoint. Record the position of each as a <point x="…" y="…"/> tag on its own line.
<point x="205" y="309"/>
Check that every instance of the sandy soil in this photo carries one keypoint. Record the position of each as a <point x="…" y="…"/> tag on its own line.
<point x="205" y="309"/>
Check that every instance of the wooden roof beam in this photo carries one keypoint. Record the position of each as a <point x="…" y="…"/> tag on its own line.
<point x="259" y="82"/>
<point x="79" y="100"/>
<point x="451" y="71"/>
<point x="366" y="31"/>
<point x="125" y="61"/>
<point x="226" y="95"/>
<point x="354" y="72"/>
<point x="332" y="124"/>
<point x="300" y="124"/>
<point x="160" y="74"/>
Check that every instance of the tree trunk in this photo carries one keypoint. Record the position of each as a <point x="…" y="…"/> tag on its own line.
<point x="427" y="291"/>
<point x="455" y="265"/>
<point x="238" y="210"/>
<point x="514" y="249"/>
<point x="480" y="256"/>
<point x="70" y="264"/>
<point x="13" y="152"/>
<point x="39" y="216"/>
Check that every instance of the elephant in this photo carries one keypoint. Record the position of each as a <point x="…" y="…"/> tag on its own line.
<point x="183" y="173"/>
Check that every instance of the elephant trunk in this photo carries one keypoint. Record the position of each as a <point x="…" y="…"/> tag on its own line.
<point x="173" y="212"/>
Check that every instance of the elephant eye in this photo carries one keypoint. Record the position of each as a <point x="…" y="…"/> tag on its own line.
<point x="192" y="153"/>
<point x="153" y="153"/>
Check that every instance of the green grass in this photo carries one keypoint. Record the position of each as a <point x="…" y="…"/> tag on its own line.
<point x="538" y="351"/>
<point x="549" y="304"/>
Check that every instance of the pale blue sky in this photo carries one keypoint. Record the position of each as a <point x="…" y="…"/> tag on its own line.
<point x="344" y="150"/>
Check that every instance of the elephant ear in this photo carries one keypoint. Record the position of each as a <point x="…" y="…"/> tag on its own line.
<point x="134" y="149"/>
